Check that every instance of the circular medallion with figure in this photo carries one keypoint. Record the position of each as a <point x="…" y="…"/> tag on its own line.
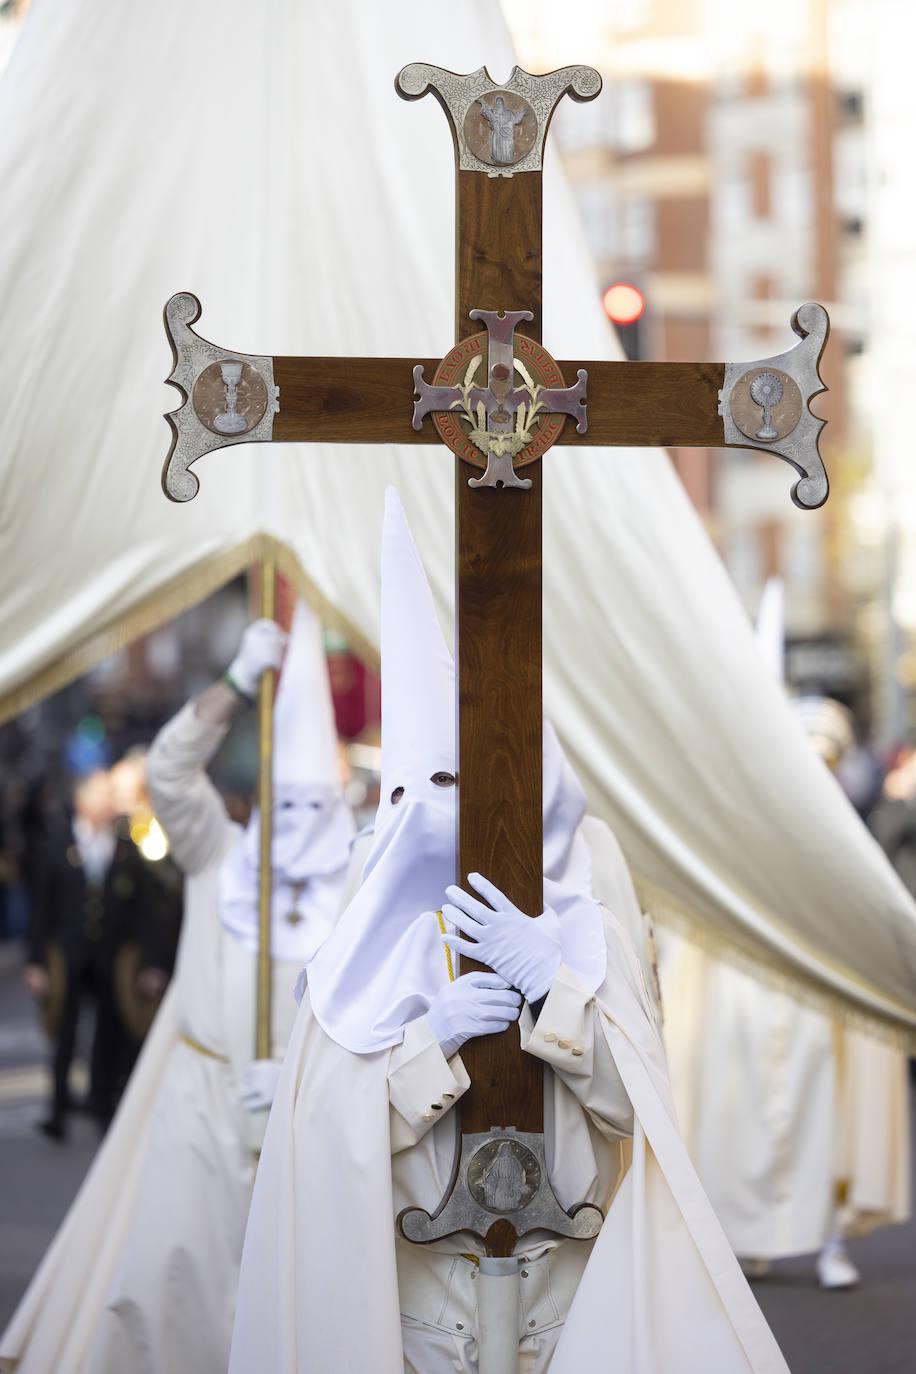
<point x="503" y="1175"/>
<point x="500" y="128"/>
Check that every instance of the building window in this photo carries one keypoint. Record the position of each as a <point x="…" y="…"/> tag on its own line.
<point x="637" y="229"/>
<point x="732" y="204"/>
<point x="850" y="104"/>
<point x="634" y="116"/>
<point x="598" y="208"/>
<point x="793" y="195"/>
<point x="761" y="198"/>
<point x="584" y="126"/>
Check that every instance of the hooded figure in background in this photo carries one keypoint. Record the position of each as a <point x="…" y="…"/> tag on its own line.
<point x="363" y="1124"/>
<point x="797" y="1120"/>
<point x="142" y="1275"/>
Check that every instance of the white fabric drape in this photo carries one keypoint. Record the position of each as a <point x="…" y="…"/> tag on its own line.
<point x="798" y="1126"/>
<point x="257" y="155"/>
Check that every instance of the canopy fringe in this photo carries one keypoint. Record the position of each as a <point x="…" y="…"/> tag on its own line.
<point x="185" y="590"/>
<point x="766" y="968"/>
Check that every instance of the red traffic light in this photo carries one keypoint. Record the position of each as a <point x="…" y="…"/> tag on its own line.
<point x="623" y="303"/>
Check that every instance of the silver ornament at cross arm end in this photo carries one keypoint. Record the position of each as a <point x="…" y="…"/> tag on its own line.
<point x="230" y="398"/>
<point x="765" y="405"/>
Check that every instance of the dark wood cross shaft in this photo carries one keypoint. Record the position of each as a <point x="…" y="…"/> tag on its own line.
<point x="498" y="531"/>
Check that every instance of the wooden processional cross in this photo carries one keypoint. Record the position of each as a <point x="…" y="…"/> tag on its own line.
<point x="498" y="401"/>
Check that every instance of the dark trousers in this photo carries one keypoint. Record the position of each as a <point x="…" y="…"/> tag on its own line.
<point x="112" y="1054"/>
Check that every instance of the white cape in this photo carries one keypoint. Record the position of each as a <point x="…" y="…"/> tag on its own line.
<point x="661" y="1294"/>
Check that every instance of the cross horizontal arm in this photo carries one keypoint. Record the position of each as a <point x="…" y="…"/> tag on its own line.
<point x="233" y="397"/>
<point x="370" y="400"/>
<point x="349" y="401"/>
<point x="668" y="404"/>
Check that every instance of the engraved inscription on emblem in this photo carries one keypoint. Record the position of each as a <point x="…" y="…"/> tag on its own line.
<point x="766" y="404"/>
<point x="229" y="397"/>
<point x="503" y="1175"/>
<point x="508" y="428"/>
<point x="500" y="128"/>
<point x="507" y="410"/>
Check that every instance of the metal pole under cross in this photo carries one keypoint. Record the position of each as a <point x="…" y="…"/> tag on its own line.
<point x="499" y="401"/>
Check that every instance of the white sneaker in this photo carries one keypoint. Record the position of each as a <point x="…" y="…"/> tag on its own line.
<point x="834" y="1267"/>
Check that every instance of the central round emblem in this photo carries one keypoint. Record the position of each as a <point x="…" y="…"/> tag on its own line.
<point x="520" y="426"/>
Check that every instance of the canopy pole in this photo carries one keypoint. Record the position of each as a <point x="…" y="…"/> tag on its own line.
<point x="265" y="804"/>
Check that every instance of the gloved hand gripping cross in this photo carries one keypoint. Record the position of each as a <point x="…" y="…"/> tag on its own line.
<point x="524" y="953"/>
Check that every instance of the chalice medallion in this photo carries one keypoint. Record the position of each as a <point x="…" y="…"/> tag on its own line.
<point x="230" y="421"/>
<point x="766" y="391"/>
<point x="230" y="397"/>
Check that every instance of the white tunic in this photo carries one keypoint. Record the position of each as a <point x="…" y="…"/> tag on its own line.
<point x="141" y="1278"/>
<point x="350" y="1142"/>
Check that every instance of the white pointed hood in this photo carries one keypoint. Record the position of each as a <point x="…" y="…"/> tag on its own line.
<point x="384" y="961"/>
<point x="312" y="824"/>
<point x="305" y="733"/>
<point x="418" y="680"/>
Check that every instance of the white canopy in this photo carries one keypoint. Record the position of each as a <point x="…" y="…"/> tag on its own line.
<point x="257" y="155"/>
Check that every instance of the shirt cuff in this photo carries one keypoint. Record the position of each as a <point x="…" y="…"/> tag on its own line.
<point x="563" y="1034"/>
<point x="422" y="1083"/>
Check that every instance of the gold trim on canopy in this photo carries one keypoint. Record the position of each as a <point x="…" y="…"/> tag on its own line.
<point x="767" y="968"/>
<point x="178" y="595"/>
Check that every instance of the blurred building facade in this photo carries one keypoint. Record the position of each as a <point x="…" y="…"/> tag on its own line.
<point x="742" y="160"/>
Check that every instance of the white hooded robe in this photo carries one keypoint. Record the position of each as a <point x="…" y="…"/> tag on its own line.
<point x="141" y="1277"/>
<point x="348" y="1145"/>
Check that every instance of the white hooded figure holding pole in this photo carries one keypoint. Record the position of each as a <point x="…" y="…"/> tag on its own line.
<point x="141" y="1277"/>
<point x="363" y="1126"/>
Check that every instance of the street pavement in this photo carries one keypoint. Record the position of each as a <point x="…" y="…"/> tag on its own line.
<point x="39" y="1176"/>
<point x="868" y="1330"/>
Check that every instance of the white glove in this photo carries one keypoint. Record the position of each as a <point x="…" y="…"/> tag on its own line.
<point x="475" y="1004"/>
<point x="262" y="647"/>
<point x="525" y="952"/>
<point x="259" y="1083"/>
